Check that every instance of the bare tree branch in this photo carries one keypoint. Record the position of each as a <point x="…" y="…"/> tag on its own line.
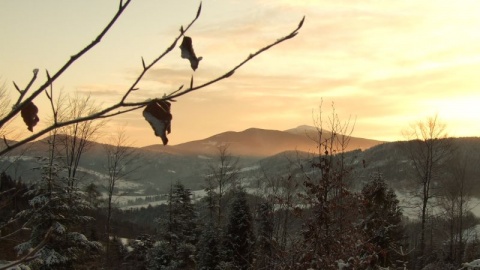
<point x="116" y="109"/>
<point x="149" y="66"/>
<point x="232" y="71"/>
<point x="72" y="59"/>
<point x="24" y="92"/>
<point x="49" y="93"/>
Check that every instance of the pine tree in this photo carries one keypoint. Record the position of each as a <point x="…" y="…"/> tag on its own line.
<point x="138" y="257"/>
<point x="265" y="237"/>
<point x="239" y="239"/>
<point x="330" y="232"/>
<point x="94" y="197"/>
<point x="208" y="253"/>
<point x="12" y="201"/>
<point x="160" y="257"/>
<point x="54" y="215"/>
<point x="180" y="230"/>
<point x="383" y="216"/>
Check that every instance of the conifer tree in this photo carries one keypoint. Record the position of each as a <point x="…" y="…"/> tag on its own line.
<point x="239" y="238"/>
<point x="54" y="215"/>
<point x="383" y="216"/>
<point x="208" y="257"/>
<point x="264" y="236"/>
<point x="12" y="201"/>
<point x="180" y="229"/>
<point x="160" y="256"/>
<point x="139" y="258"/>
<point x="12" y="198"/>
<point x="332" y="238"/>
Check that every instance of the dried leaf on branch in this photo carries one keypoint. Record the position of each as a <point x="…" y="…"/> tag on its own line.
<point x="157" y="113"/>
<point x="188" y="53"/>
<point x="29" y="114"/>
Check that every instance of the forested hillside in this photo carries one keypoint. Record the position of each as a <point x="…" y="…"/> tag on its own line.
<point x="292" y="210"/>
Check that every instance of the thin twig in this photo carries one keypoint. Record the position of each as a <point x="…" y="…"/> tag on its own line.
<point x="5" y="141"/>
<point x="250" y="57"/>
<point x="137" y="105"/>
<point x="121" y="112"/>
<point x="52" y="105"/>
<point x="178" y="90"/>
<point x="73" y="58"/>
<point x="24" y="91"/>
<point x="169" y="49"/>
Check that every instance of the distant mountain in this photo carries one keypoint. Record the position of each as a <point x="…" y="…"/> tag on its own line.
<point x="303" y="130"/>
<point x="261" y="152"/>
<point x="255" y="142"/>
<point x="160" y="165"/>
<point x="312" y="133"/>
<point x="389" y="159"/>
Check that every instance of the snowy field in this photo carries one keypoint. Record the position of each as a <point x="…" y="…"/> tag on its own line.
<point x="408" y="207"/>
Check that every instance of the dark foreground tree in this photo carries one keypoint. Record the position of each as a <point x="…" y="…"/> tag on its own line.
<point x="239" y="238"/>
<point x="178" y="235"/>
<point x="54" y="217"/>
<point x="12" y="201"/>
<point x="181" y="229"/>
<point x="332" y="238"/>
<point x="382" y="222"/>
<point x="265" y="240"/>
<point x="208" y="255"/>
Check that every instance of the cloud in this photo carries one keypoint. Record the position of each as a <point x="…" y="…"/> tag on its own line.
<point x="98" y="90"/>
<point x="387" y="63"/>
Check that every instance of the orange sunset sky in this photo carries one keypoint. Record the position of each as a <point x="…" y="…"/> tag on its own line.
<point x="387" y="63"/>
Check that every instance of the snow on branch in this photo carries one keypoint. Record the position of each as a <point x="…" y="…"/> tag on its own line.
<point x="31" y="255"/>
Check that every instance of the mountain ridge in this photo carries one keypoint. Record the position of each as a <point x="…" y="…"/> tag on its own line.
<point x="160" y="165"/>
<point x="258" y="142"/>
<point x="188" y="161"/>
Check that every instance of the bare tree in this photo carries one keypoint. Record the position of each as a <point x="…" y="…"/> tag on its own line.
<point x="283" y="196"/>
<point x="222" y="175"/>
<point x="333" y="141"/>
<point x="119" y="158"/>
<point x="280" y="189"/>
<point x="77" y="138"/>
<point x="455" y="197"/>
<point x="26" y="96"/>
<point x="428" y="148"/>
<point x="330" y="232"/>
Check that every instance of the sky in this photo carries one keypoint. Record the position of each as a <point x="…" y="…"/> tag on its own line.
<point x="387" y="64"/>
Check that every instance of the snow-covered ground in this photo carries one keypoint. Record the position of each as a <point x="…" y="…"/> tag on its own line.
<point x="14" y="158"/>
<point x="411" y="205"/>
<point x="475" y="204"/>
